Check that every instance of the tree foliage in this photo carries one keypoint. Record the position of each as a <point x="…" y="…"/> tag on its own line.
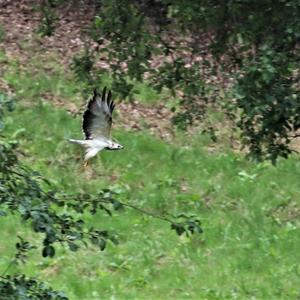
<point x="201" y="50"/>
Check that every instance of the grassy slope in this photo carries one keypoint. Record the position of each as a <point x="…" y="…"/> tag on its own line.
<point x="248" y="249"/>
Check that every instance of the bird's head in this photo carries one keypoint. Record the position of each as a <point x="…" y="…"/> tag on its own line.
<point x="114" y="146"/>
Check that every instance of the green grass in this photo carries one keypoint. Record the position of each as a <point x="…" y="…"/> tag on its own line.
<point x="250" y="212"/>
<point x="250" y="244"/>
<point x="2" y="33"/>
<point x="145" y="94"/>
<point x="36" y="84"/>
<point x="44" y="80"/>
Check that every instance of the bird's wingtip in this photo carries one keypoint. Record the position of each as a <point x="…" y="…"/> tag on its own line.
<point x="95" y="92"/>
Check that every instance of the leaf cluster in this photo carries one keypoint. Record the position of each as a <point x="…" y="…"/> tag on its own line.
<point x="21" y="287"/>
<point x="26" y="192"/>
<point x="186" y="224"/>
<point x="48" y="17"/>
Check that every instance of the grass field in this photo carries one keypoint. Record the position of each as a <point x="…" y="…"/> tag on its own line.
<point x="250" y="212"/>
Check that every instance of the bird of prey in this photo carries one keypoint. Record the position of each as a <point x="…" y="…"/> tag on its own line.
<point x="96" y="125"/>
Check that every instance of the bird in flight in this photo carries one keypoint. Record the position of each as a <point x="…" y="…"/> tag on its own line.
<point x="96" y="126"/>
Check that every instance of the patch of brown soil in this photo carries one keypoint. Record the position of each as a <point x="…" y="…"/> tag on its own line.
<point x="156" y="119"/>
<point x="21" y="21"/>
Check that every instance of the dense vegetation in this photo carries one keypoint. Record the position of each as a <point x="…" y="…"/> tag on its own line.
<point x="242" y="56"/>
<point x="210" y="57"/>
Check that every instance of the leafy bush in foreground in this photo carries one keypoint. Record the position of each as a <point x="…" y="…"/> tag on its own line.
<point x="57" y="216"/>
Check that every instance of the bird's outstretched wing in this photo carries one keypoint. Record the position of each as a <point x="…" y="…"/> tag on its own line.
<point x="97" y="118"/>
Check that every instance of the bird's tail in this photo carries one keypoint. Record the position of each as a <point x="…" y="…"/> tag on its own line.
<point x="79" y="142"/>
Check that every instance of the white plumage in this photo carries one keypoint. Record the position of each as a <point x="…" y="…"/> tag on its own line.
<point x="96" y="125"/>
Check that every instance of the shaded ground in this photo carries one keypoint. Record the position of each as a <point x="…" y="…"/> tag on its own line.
<point x="20" y="40"/>
<point x="20" y="21"/>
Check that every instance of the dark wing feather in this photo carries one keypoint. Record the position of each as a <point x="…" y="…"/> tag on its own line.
<point x="97" y="118"/>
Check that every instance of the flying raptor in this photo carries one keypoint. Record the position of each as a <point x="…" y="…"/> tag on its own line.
<point x="96" y="125"/>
